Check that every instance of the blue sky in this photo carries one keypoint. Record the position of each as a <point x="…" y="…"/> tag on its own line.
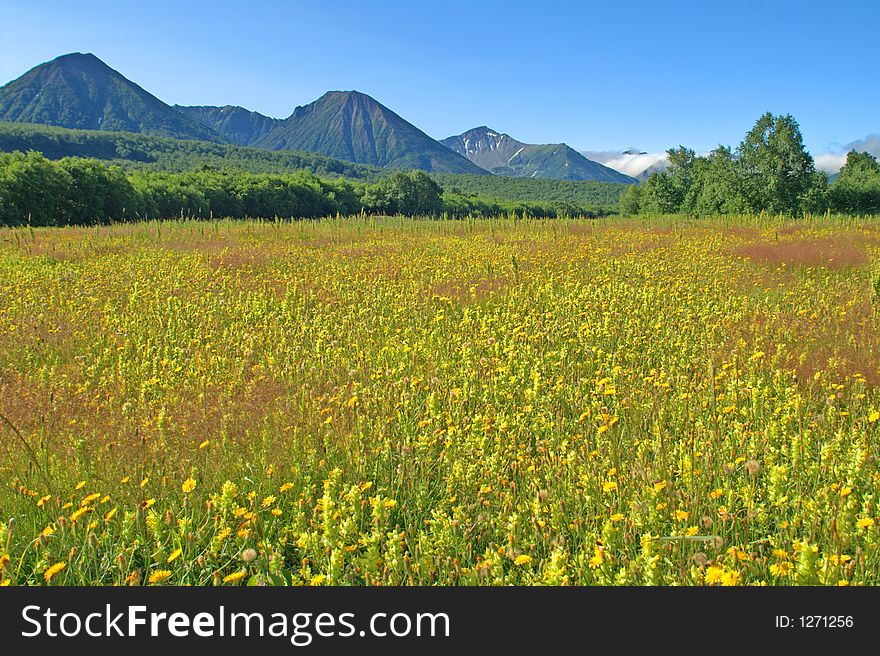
<point x="596" y="75"/>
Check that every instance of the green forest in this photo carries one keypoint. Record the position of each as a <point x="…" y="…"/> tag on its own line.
<point x="78" y="191"/>
<point x="770" y="171"/>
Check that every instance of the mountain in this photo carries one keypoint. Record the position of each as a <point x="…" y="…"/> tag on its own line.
<point x="353" y="126"/>
<point x="503" y="155"/>
<point x="656" y="167"/>
<point x="235" y="124"/>
<point x="80" y="91"/>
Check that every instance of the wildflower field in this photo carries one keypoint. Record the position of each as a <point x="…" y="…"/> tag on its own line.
<point x="392" y="401"/>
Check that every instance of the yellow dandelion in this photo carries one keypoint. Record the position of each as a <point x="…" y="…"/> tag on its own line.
<point x="865" y="522"/>
<point x="159" y="576"/>
<point x="188" y="485"/>
<point x="268" y="501"/>
<point x="317" y="579"/>
<point x="781" y="569"/>
<point x="53" y="570"/>
<point x="110" y="514"/>
<point x="874" y="416"/>
<point x="204" y="444"/>
<point x="92" y="497"/>
<point x="522" y="560"/>
<point x="80" y="485"/>
<point x="174" y="555"/>
<point x="148" y="503"/>
<point x="714" y="575"/>
<point x="79" y="513"/>
<point x="609" y="486"/>
<point x="235" y="577"/>
<point x="284" y="488"/>
<point x="730" y="579"/>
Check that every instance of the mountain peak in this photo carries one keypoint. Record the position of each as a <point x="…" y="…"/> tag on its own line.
<point x="343" y="96"/>
<point x="78" y="90"/>
<point x="81" y="56"/>
<point x="354" y="126"/>
<point x="501" y="154"/>
<point x="82" y="61"/>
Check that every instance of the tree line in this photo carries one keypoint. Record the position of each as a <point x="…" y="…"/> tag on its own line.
<point x="77" y="191"/>
<point x="770" y="171"/>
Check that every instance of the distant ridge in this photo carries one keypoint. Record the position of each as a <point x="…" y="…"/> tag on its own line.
<point x="235" y="124"/>
<point x="501" y="154"/>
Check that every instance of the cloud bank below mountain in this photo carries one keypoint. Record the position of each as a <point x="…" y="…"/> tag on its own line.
<point x="633" y="162"/>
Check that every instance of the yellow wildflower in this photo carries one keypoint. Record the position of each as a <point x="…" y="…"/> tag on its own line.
<point x="53" y="570"/>
<point x="235" y="577"/>
<point x="159" y="576"/>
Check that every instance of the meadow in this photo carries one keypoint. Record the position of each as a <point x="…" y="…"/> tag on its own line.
<point x="397" y="401"/>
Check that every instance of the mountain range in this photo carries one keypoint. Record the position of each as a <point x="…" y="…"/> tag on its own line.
<point x="501" y="154"/>
<point x="80" y="91"/>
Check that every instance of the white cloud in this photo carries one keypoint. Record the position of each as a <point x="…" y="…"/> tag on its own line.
<point x="831" y="162"/>
<point x="633" y="162"/>
<point x="629" y="163"/>
<point x="870" y="144"/>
